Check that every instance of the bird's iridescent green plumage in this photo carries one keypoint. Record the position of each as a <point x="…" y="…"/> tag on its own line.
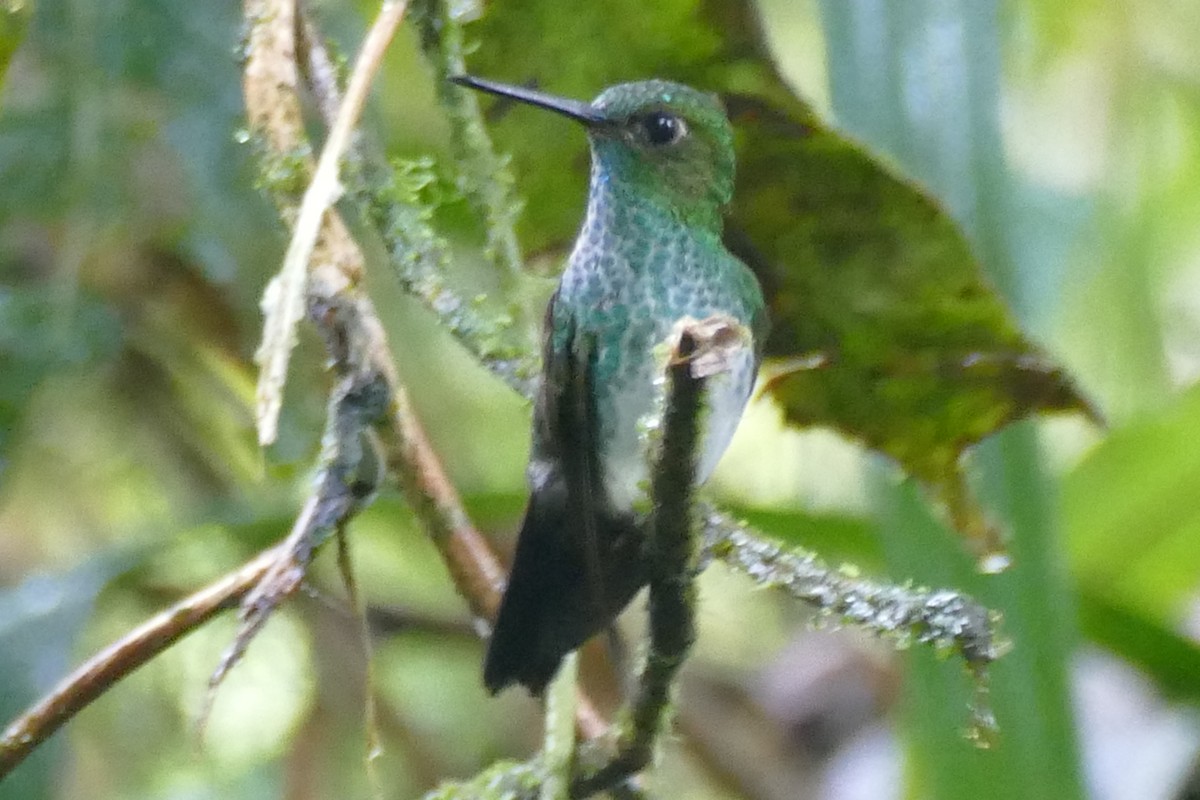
<point x="648" y="255"/>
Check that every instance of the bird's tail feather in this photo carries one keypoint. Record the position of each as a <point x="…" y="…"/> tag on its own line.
<point x="562" y="590"/>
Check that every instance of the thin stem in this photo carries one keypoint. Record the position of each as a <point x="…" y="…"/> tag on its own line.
<point x="488" y="181"/>
<point x="283" y="302"/>
<point x="558" y="740"/>
<point x="418" y="255"/>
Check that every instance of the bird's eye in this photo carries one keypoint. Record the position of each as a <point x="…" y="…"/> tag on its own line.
<point x="662" y="128"/>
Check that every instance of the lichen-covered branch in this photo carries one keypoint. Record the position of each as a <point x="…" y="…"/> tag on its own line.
<point x="503" y="780"/>
<point x="485" y="177"/>
<point x="350" y="465"/>
<point x="558" y="736"/>
<point x="950" y="621"/>
<point x="328" y="276"/>
<point x="702" y="349"/>
<point x="467" y="555"/>
<point x="420" y="259"/>
<point x="390" y="199"/>
<point x="671" y="550"/>
<point x="339" y="308"/>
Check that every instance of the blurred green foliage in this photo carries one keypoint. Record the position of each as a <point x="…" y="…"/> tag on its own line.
<point x="1064" y="138"/>
<point x="14" y="16"/>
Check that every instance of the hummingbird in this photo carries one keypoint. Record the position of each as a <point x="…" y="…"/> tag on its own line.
<point x="648" y="255"/>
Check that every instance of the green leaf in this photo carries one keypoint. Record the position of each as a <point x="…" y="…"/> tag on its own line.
<point x="922" y="79"/>
<point x="905" y="346"/>
<point x="1172" y="660"/>
<point x="1133" y="519"/>
<point x="884" y="327"/>
<point x="1034" y="752"/>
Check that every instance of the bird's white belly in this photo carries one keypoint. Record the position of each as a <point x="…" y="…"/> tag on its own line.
<point x="626" y="453"/>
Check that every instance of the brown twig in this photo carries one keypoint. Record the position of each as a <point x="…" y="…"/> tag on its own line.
<point x="284" y="299"/>
<point x="374" y="741"/>
<point x="117" y="661"/>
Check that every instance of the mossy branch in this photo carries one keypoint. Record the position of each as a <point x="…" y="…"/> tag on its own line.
<point x="388" y="197"/>
<point x="350" y="470"/>
<point x="485" y="177"/>
<point x="703" y="348"/>
<point x="420" y="259"/>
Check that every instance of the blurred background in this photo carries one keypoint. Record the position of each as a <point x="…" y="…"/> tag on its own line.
<point x="134" y="245"/>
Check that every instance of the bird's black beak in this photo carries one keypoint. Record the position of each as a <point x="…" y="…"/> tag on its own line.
<point x="575" y="109"/>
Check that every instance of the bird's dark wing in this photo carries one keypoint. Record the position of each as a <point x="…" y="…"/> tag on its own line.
<point x="578" y="563"/>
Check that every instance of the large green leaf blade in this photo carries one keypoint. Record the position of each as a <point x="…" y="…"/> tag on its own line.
<point x="945" y="129"/>
<point x="1134" y="523"/>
